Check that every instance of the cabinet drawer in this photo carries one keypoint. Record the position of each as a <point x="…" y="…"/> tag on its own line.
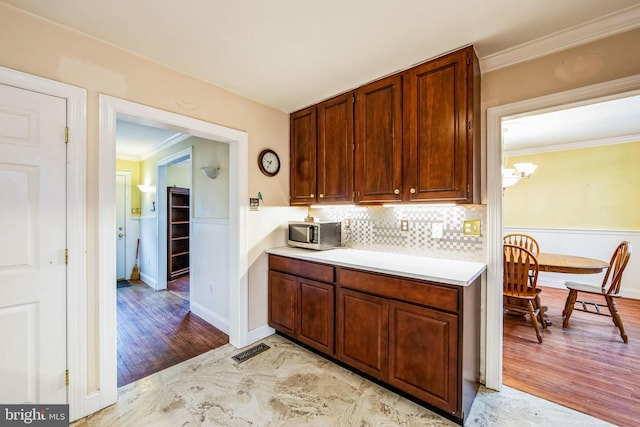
<point x="321" y="272"/>
<point x="422" y="293"/>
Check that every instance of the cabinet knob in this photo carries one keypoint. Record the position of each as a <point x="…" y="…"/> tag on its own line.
<point x="321" y="195"/>
<point x="396" y="191"/>
<point x="312" y="195"/>
<point x="412" y="191"/>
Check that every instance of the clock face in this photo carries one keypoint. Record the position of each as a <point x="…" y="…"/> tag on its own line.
<point x="269" y="162"/>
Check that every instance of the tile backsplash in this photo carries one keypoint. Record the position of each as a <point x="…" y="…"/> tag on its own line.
<point x="378" y="228"/>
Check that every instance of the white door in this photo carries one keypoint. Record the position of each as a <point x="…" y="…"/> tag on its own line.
<point x="32" y="247"/>
<point x="121" y="230"/>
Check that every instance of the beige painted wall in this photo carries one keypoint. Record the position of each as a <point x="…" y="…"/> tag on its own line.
<point x="39" y="47"/>
<point x="588" y="188"/>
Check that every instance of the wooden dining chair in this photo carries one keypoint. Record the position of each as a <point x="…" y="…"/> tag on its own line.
<point x="609" y="290"/>
<point x="522" y="240"/>
<point x="519" y="291"/>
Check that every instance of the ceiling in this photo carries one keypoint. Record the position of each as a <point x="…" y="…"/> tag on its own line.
<point x="289" y="54"/>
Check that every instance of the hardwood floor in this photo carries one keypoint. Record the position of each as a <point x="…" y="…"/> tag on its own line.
<point x="156" y="330"/>
<point x="586" y="367"/>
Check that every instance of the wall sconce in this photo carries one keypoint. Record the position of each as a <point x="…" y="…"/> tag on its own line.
<point x="210" y="171"/>
<point x="145" y="188"/>
<point x="525" y="169"/>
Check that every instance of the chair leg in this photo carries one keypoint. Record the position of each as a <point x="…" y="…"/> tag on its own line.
<point x="568" y="307"/>
<point x="534" y="320"/>
<point x="617" y="320"/>
<point x="541" y="318"/>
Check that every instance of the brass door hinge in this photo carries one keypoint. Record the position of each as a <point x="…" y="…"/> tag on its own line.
<point x="66" y="256"/>
<point x="66" y="378"/>
<point x="66" y="135"/>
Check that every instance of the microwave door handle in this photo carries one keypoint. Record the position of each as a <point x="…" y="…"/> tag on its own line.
<point x="308" y="234"/>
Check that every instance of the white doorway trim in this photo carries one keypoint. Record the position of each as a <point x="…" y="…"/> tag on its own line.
<point x="581" y="96"/>
<point x="161" y="206"/>
<point x="76" y="227"/>
<point x="111" y="107"/>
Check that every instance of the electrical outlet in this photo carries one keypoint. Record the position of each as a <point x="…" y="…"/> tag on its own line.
<point x="436" y="230"/>
<point x="404" y="225"/>
<point x="471" y="227"/>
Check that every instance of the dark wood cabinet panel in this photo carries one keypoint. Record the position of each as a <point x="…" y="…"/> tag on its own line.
<point x="363" y="332"/>
<point x="423" y="354"/>
<point x="316" y="320"/>
<point x="300" y="307"/>
<point x="283" y="300"/>
<point x="303" y="142"/>
<point x="178" y="217"/>
<point x="335" y="150"/>
<point x="439" y="145"/>
<point x="378" y="138"/>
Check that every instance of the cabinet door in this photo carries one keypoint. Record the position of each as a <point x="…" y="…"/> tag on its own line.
<point x="439" y="155"/>
<point x="362" y="334"/>
<point x="423" y="354"/>
<point x="378" y="136"/>
<point x="315" y="302"/>
<point x="303" y="157"/>
<point x="283" y="299"/>
<point x="335" y="150"/>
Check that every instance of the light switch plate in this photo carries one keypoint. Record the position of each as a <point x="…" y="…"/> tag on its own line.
<point x="404" y="225"/>
<point x="471" y="227"/>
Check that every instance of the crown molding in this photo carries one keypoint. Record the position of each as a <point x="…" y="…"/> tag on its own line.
<point x="573" y="145"/>
<point x="606" y="26"/>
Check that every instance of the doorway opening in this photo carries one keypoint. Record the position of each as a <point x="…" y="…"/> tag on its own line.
<point x="234" y="321"/>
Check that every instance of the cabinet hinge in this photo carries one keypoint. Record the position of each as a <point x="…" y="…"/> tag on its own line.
<point x="66" y="256"/>
<point x="468" y="124"/>
<point x="468" y="189"/>
<point x="66" y="377"/>
<point x="468" y="60"/>
<point x="66" y="135"/>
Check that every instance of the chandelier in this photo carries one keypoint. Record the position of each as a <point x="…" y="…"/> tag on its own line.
<point x="510" y="176"/>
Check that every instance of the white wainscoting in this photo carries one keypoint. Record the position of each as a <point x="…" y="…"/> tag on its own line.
<point x="148" y="250"/>
<point x="597" y="244"/>
<point x="209" y="271"/>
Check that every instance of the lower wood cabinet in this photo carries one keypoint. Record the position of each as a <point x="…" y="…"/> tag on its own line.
<point x="363" y="332"/>
<point x="419" y="337"/>
<point x="300" y="307"/>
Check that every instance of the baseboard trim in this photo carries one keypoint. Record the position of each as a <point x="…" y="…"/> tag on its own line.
<point x="260" y="333"/>
<point x="210" y="317"/>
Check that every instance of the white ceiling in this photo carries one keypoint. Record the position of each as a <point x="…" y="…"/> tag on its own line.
<point x="289" y="54"/>
<point x="292" y="53"/>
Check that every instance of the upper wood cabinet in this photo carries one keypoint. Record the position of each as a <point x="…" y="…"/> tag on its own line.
<point x="416" y="136"/>
<point x="322" y="152"/>
<point x="378" y="136"/>
<point x="335" y="150"/>
<point x="302" y="149"/>
<point x="441" y="149"/>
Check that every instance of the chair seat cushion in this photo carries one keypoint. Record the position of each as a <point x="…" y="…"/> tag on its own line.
<point x="585" y="287"/>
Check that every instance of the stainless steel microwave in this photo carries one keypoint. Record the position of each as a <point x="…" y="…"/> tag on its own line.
<point x="315" y="235"/>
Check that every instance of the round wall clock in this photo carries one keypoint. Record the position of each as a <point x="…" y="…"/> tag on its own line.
<point x="269" y="162"/>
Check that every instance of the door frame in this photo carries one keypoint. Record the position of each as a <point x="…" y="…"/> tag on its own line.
<point x="575" y="97"/>
<point x="127" y="218"/>
<point x="111" y="108"/>
<point x="76" y="226"/>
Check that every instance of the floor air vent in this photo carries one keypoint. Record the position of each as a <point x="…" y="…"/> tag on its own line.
<point x="249" y="353"/>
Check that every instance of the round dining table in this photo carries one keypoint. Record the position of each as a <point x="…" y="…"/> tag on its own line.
<point x="561" y="263"/>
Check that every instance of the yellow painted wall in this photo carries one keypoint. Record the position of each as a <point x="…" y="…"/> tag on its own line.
<point x="591" y="188"/>
<point x="134" y="168"/>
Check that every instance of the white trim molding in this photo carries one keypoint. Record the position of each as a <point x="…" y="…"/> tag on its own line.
<point x="615" y="23"/>
<point x="76" y="227"/>
<point x="110" y="109"/>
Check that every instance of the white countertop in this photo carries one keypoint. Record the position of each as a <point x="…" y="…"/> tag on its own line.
<point x="452" y="272"/>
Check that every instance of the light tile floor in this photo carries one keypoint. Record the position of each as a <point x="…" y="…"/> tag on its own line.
<point x="290" y="386"/>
